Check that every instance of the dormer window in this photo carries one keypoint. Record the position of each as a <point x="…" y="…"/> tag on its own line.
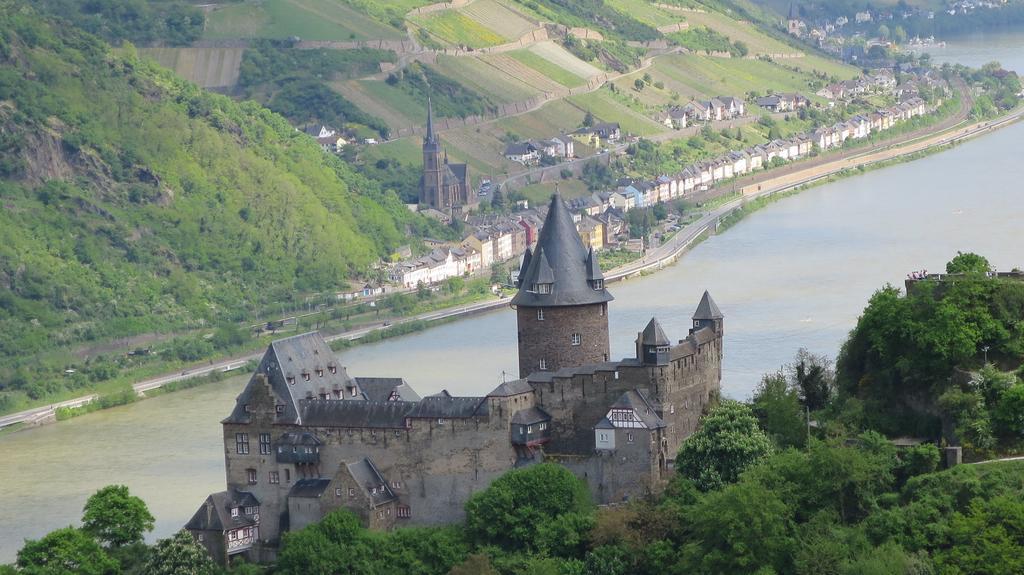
<point x="305" y="376"/>
<point x="333" y="369"/>
<point x="280" y="408"/>
<point x="319" y="373"/>
<point x="598" y="285"/>
<point x="542" y="288"/>
<point x="291" y="379"/>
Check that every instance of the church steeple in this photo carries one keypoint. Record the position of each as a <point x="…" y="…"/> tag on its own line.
<point x="431" y="137"/>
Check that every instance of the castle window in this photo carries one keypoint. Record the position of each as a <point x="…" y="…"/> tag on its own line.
<point x="529" y="429"/>
<point x="234" y="512"/>
<point x="337" y="491"/>
<point x="279" y="408"/>
<point x="388" y="512"/>
<point x="274" y="477"/>
<point x="332" y="368"/>
<point x="577" y="339"/>
<point x="540" y="315"/>
<point x="600" y="310"/>
<point x="543" y="364"/>
<point x="251" y="476"/>
<point x="291" y="379"/>
<point x="598" y="284"/>
<point x="398" y="433"/>
<point x="200" y="537"/>
<point x="440" y="421"/>
<point x="396" y="484"/>
<point x="373" y="491"/>
<point x="265" y="444"/>
<point x="324" y="396"/>
<point x="629" y="437"/>
<point x="287" y="475"/>
<point x="404" y="512"/>
<point x="242" y="443"/>
<point x="352" y="391"/>
<point x="305" y="376"/>
<point x="250" y="510"/>
<point x="543" y="426"/>
<point x="319" y="373"/>
<point x="543" y="288"/>
<point x="351" y="491"/>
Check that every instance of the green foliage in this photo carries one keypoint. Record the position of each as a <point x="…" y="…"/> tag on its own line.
<point x="180" y="554"/>
<point x="115" y="517"/>
<point x="704" y="39"/>
<point x="987" y="539"/>
<point x="728" y="442"/>
<point x="171" y="208"/>
<point x="542" y="508"/>
<point x="306" y="101"/>
<point x="66" y="551"/>
<point x="595" y="13"/>
<point x="448" y="97"/>
<point x="904" y="349"/>
<point x="966" y="263"/>
<point x="138" y="21"/>
<point x="778" y="411"/>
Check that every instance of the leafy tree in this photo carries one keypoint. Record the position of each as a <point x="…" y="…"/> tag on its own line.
<point x="180" y="554"/>
<point x="476" y="564"/>
<point x="988" y="539"/>
<point x="498" y="200"/>
<point x="520" y="507"/>
<point x="66" y="551"/>
<point x="739" y="529"/>
<point x="966" y="263"/>
<point x="728" y="441"/>
<point x="337" y="544"/>
<point x="638" y="84"/>
<point x="778" y="410"/>
<point x="813" y="378"/>
<point x="116" y="517"/>
<point x="1009" y="412"/>
<point x="588" y="119"/>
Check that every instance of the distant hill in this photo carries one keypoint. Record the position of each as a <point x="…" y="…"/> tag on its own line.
<point x="134" y="201"/>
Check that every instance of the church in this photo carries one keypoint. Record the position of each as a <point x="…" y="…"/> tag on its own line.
<point x="305" y="438"/>
<point x="444" y="186"/>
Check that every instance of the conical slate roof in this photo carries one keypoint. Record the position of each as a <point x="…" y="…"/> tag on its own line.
<point x="560" y="260"/>
<point x="707" y="309"/>
<point x="430" y="139"/>
<point x="654" y="335"/>
<point x="593" y="268"/>
<point x="792" y="12"/>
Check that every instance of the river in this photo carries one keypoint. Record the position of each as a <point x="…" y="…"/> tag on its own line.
<point x="795" y="274"/>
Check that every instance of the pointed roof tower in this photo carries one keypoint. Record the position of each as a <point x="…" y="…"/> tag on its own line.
<point x="560" y="272"/>
<point x="793" y="15"/>
<point x="431" y="137"/>
<point x="707" y="309"/>
<point x="654" y="335"/>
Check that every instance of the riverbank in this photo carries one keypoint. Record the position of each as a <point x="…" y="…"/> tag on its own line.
<point x="654" y="260"/>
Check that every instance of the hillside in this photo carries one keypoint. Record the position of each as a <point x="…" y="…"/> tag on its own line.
<point x="134" y="201"/>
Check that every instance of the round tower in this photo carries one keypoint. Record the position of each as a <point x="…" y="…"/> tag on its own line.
<point x="562" y="305"/>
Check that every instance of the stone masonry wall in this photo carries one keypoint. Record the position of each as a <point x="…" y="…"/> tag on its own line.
<point x="550" y="339"/>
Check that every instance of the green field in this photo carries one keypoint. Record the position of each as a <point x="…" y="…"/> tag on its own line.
<point x="306" y="19"/>
<point x="494" y="16"/>
<point x="646" y="12"/>
<point x="701" y="76"/>
<point x="406" y="150"/>
<point x="457" y="29"/>
<point x="739" y="31"/>
<point x="486" y="79"/>
<point x="548" y="68"/>
<point x="603" y="106"/>
<point x="557" y="117"/>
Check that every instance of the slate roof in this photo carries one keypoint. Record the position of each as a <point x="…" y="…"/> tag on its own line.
<point x="638" y="403"/>
<point x="604" y="424"/>
<point x="560" y="259"/>
<point x="215" y="513"/>
<point x="356" y="414"/>
<point x="707" y="309"/>
<point x="654" y="335"/>
<point x="381" y="388"/>
<point x="510" y="388"/>
<point x="289" y="359"/>
<point x="448" y="408"/>
<point x="309" y="488"/>
<point x="530" y="416"/>
<point x="365" y="473"/>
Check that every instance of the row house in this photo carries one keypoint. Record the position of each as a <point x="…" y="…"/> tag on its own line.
<point x="676" y="118"/>
<point x="435" y="267"/>
<point x="783" y="102"/>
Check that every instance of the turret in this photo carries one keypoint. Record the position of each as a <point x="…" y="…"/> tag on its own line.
<point x="708" y="315"/>
<point x="562" y="304"/>
<point x="652" y="345"/>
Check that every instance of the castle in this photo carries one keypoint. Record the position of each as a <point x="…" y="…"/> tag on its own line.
<point x="443" y="186"/>
<point x="305" y="438"/>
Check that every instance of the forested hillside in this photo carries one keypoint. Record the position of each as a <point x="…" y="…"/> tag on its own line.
<point x="134" y="201"/>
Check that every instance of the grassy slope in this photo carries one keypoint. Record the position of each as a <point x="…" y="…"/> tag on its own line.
<point x="548" y="68"/>
<point x="457" y="29"/>
<point x="165" y="206"/>
<point x="307" y="19"/>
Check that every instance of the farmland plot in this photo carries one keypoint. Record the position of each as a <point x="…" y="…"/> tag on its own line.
<point x="499" y="18"/>
<point x="563" y="59"/>
<point x="457" y="29"/>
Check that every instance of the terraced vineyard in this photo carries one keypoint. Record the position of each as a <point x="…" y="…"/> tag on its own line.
<point x="457" y="29"/>
<point x="396" y="108"/>
<point x="603" y="106"/>
<point x="547" y="68"/>
<point x="564" y="59"/>
<point x="737" y="31"/>
<point x="516" y="69"/>
<point x="207" y="67"/>
<point x="306" y="19"/>
<point x="486" y="79"/>
<point x="499" y="18"/>
<point x="553" y="118"/>
<point x="699" y="76"/>
<point x="646" y="12"/>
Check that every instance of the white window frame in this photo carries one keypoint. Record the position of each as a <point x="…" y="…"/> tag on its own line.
<point x="577" y="339"/>
<point x="543" y="364"/>
<point x="540" y="314"/>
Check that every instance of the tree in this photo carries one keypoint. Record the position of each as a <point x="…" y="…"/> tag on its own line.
<point x="777" y="407"/>
<point x="883" y="32"/>
<point x="814" y="379"/>
<point x="899" y="35"/>
<point x="180" y="554"/>
<point x="988" y="539"/>
<point x="728" y="441"/>
<point x="967" y="263"/>
<point x="588" y="119"/>
<point x="525" y="508"/>
<point x="66" y="551"/>
<point x="336" y="544"/>
<point x="498" y="200"/>
<point x="638" y="84"/>
<point x="116" y="517"/>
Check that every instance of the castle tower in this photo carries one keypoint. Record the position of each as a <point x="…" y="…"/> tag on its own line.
<point x="708" y="314"/>
<point x="652" y="345"/>
<point x="432" y="181"/>
<point x="562" y="305"/>
<point x="793" y="20"/>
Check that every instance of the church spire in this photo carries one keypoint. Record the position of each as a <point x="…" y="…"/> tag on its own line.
<point x="431" y="138"/>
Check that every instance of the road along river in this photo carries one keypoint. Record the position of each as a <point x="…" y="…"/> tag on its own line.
<point x="795" y="274"/>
